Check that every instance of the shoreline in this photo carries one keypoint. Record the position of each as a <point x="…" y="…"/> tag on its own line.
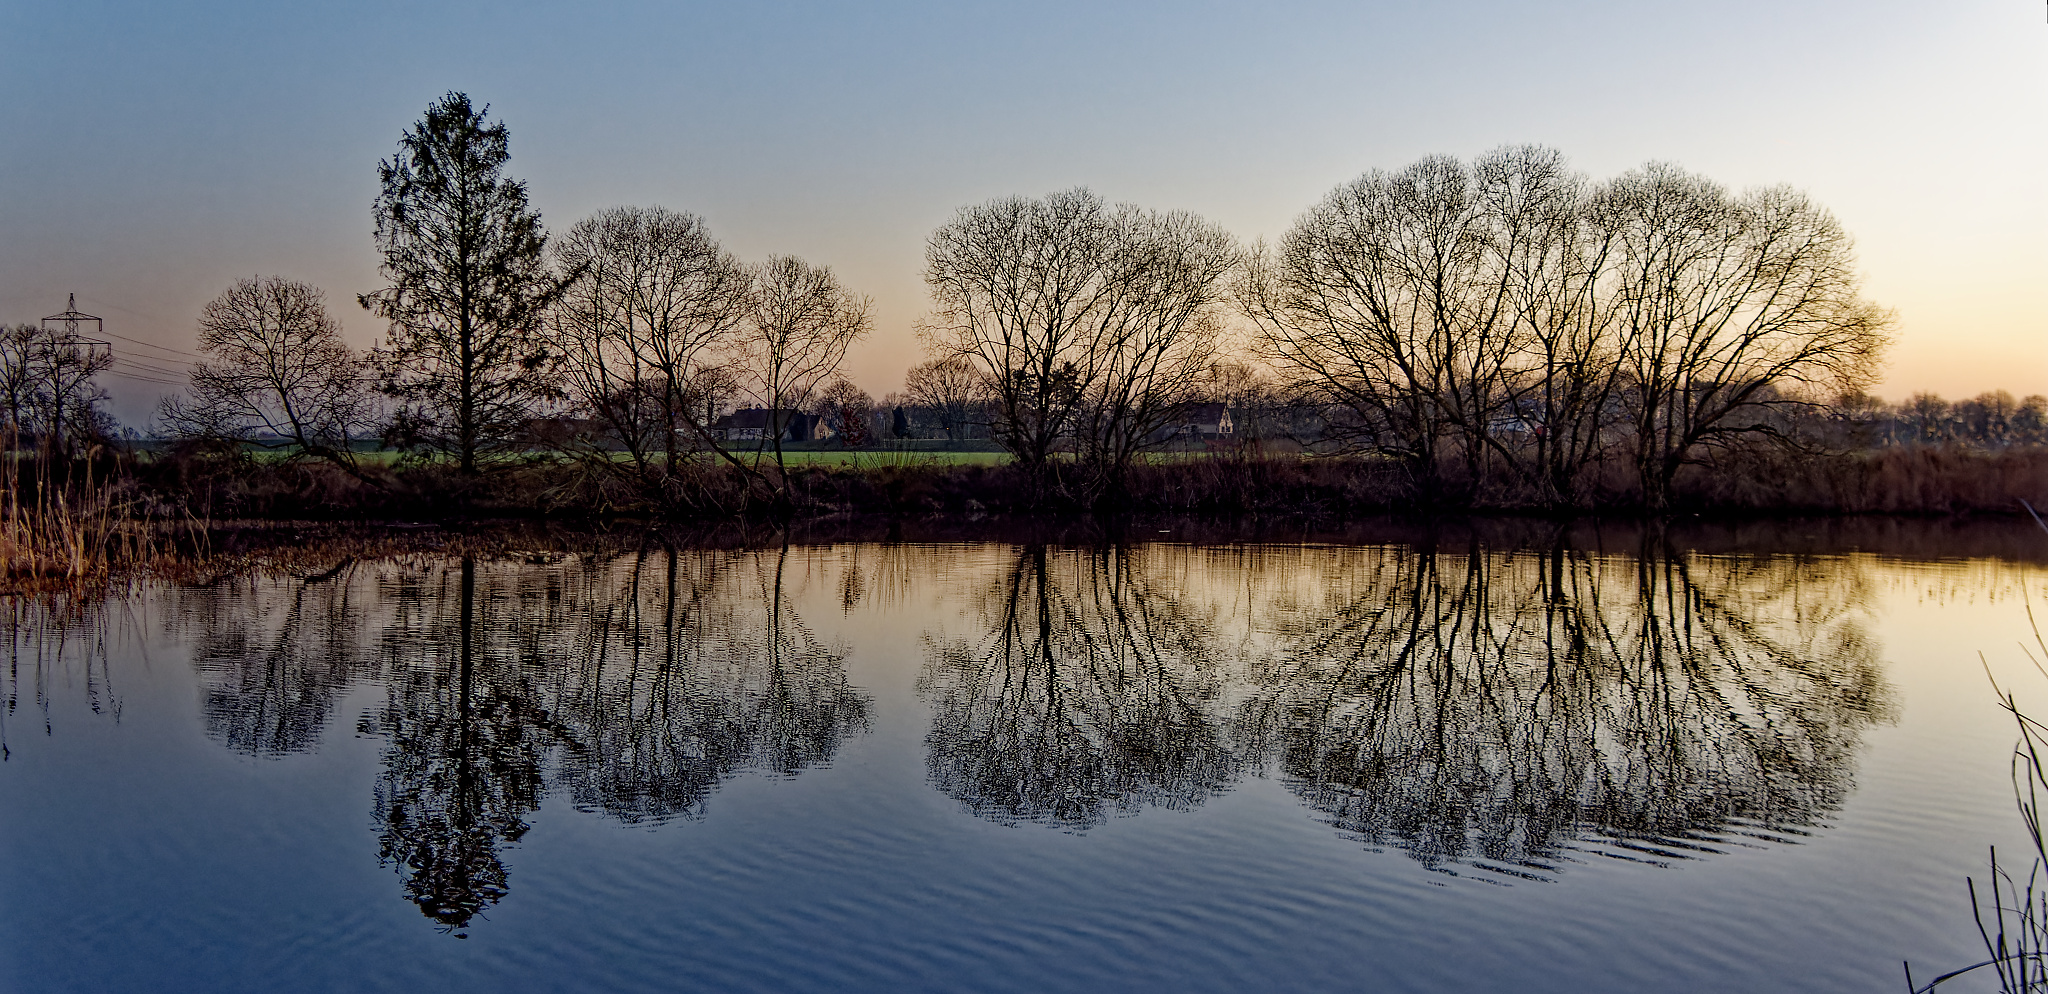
<point x="2012" y="537"/>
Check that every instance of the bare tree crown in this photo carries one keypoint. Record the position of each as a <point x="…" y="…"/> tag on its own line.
<point x="1510" y="312"/>
<point x="1085" y="322"/>
<point x="276" y="372"/>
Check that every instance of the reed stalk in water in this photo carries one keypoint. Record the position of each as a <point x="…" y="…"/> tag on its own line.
<point x="2012" y="914"/>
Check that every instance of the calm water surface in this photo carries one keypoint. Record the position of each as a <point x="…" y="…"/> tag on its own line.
<point x="1615" y="765"/>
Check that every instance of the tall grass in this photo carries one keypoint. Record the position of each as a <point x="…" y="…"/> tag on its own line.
<point x="67" y="524"/>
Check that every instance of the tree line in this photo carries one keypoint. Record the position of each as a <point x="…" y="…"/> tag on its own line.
<point x="1504" y="324"/>
<point x="48" y="394"/>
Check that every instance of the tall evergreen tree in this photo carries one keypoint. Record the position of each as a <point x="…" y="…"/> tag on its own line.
<point x="468" y="284"/>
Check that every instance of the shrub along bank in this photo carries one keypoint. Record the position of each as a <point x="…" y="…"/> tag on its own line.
<point x="207" y="486"/>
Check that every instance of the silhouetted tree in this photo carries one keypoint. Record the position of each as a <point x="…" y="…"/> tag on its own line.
<point x="469" y="285"/>
<point x="1087" y="325"/>
<point x="643" y="332"/>
<point x="951" y="390"/>
<point x="845" y="409"/>
<point x="48" y="392"/>
<point x="1507" y="314"/>
<point x="797" y="333"/>
<point x="1728" y="306"/>
<point x="2030" y="419"/>
<point x="20" y="388"/>
<point x="276" y="373"/>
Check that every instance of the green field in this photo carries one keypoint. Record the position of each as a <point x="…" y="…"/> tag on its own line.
<point x="835" y="458"/>
<point x="877" y="458"/>
<point x="807" y="457"/>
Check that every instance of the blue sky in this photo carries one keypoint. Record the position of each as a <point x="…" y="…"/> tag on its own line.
<point x="151" y="153"/>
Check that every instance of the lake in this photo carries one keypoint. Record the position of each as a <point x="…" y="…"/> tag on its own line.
<point x="1396" y="758"/>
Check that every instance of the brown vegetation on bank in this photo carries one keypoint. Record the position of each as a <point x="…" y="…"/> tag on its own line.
<point x="69" y="524"/>
<point x="1751" y="482"/>
<point x="304" y="519"/>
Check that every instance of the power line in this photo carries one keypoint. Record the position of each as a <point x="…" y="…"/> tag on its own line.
<point x="133" y="375"/>
<point x="162" y="348"/>
<point x="124" y="374"/>
<point x="135" y="365"/>
<point x="146" y="368"/>
<point x="96" y="303"/>
<point x="154" y="369"/>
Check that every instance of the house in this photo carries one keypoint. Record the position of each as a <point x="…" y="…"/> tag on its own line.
<point x="752" y="424"/>
<point x="1205" y="421"/>
<point x="1196" y="423"/>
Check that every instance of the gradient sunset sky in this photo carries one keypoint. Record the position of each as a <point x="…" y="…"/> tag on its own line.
<point x="151" y="153"/>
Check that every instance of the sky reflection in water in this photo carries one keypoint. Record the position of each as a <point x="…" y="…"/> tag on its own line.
<point x="1527" y="716"/>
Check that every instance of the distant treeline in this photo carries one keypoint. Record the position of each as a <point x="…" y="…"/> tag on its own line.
<point x="1498" y="333"/>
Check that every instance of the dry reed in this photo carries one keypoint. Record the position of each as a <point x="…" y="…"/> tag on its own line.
<point x="62" y="530"/>
<point x="2012" y="913"/>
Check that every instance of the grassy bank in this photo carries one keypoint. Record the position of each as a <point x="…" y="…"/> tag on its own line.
<point x="87" y="522"/>
<point x="198" y="486"/>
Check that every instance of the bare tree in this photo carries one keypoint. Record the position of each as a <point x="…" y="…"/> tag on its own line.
<point x="644" y="329"/>
<point x="1987" y="417"/>
<point x="951" y="389"/>
<point x="1446" y="306"/>
<point x="846" y="409"/>
<point x="66" y="367"/>
<point x="1082" y="320"/>
<point x="1173" y="270"/>
<point x="2030" y="418"/>
<point x="49" y="394"/>
<point x="1507" y="314"/>
<point x="1556" y="369"/>
<point x="1376" y="299"/>
<point x="277" y="374"/>
<point x="799" y="327"/>
<point x="469" y="285"/>
<point x="1927" y="413"/>
<point x="20" y="387"/>
<point x="1728" y="306"/>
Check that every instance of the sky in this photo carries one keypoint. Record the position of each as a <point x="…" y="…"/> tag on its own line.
<point x="152" y="153"/>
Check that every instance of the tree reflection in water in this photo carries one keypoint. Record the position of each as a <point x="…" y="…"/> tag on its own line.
<point x="1510" y="710"/>
<point x="274" y="658"/>
<point x="1092" y="694"/>
<point x="467" y="726"/>
<point x="1499" y="709"/>
<point x="686" y="671"/>
<point x="634" y="684"/>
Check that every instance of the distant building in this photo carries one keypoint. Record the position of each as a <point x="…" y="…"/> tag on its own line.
<point x="1207" y="420"/>
<point x="1196" y="423"/>
<point x="754" y="424"/>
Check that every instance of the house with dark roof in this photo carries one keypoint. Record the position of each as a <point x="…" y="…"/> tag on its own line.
<point x="1207" y="421"/>
<point x="1196" y="423"/>
<point x="758" y="424"/>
